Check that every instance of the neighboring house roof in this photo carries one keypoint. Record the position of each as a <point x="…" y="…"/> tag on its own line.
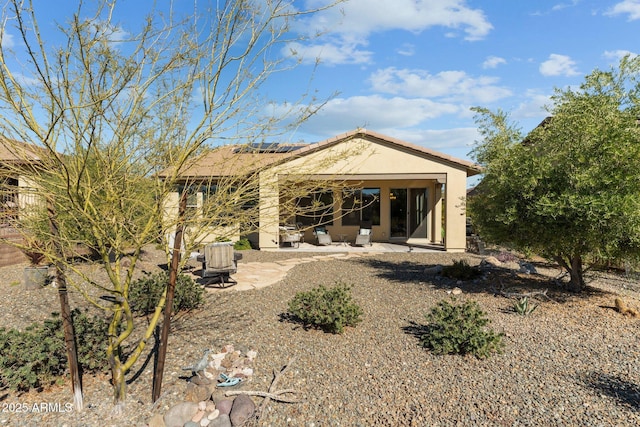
<point x="229" y="159"/>
<point x="12" y="151"/>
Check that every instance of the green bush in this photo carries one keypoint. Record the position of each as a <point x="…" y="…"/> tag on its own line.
<point x="460" y="270"/>
<point x="459" y="329"/>
<point x="329" y="309"/>
<point x="145" y="293"/>
<point x="242" y="245"/>
<point x="37" y="356"/>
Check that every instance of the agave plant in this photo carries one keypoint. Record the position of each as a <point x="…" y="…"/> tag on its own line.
<point x="523" y="307"/>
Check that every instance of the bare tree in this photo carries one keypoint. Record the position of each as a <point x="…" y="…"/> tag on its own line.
<point x="109" y="107"/>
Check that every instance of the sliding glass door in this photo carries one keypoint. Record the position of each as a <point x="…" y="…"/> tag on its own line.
<point x="408" y="213"/>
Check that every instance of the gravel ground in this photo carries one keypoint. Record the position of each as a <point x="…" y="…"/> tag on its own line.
<point x="573" y="362"/>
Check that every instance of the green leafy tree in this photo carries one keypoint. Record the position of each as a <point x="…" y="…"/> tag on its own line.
<point x="569" y="190"/>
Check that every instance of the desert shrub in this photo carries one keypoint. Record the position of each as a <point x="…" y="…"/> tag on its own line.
<point x="37" y="356"/>
<point x="460" y="270"/>
<point x="460" y="329"/>
<point x="242" y="245"/>
<point x="329" y="309"/>
<point x="145" y="293"/>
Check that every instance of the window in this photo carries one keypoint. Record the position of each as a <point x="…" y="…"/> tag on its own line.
<point x="361" y="205"/>
<point x="9" y="199"/>
<point x="192" y="199"/>
<point x="316" y="208"/>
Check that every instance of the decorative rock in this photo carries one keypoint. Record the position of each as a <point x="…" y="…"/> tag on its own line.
<point x="198" y="416"/>
<point x="222" y="421"/>
<point x="456" y="291"/>
<point x="202" y="405"/>
<point x="511" y="265"/>
<point x="180" y="414"/>
<point x="243" y="408"/>
<point x="251" y="354"/>
<point x="214" y="414"/>
<point x="190" y="424"/>
<point x="156" y="420"/>
<point x="199" y="380"/>
<point x="210" y="406"/>
<point x="205" y="422"/>
<point x="490" y="261"/>
<point x="224" y="406"/>
<point x="528" y="268"/>
<point x="196" y="393"/>
<point x="217" y="359"/>
<point x="229" y="359"/>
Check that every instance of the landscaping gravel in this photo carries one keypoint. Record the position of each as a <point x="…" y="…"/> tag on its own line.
<point x="573" y="362"/>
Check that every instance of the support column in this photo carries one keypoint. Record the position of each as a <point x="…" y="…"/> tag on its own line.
<point x="269" y="210"/>
<point x="455" y="216"/>
<point x="436" y="224"/>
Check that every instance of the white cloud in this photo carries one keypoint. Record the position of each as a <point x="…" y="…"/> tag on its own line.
<point x="364" y="17"/>
<point x="449" y="85"/>
<point x="7" y="40"/>
<point x="561" y="6"/>
<point x="436" y="139"/>
<point x="351" y="23"/>
<point x="533" y="107"/>
<point x="327" y="53"/>
<point x="630" y="7"/>
<point x="375" y="112"/>
<point x="493" y="62"/>
<point x="407" y="49"/>
<point x="558" y="65"/>
<point x="26" y="80"/>
<point x="617" y="55"/>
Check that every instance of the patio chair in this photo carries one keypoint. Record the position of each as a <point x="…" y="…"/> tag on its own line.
<point x="364" y="235"/>
<point x="290" y="234"/>
<point x="323" y="237"/>
<point x="219" y="263"/>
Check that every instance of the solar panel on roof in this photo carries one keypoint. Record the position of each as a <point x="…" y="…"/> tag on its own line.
<point x="273" y="147"/>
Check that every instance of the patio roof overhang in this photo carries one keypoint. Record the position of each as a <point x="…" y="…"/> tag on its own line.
<point x="439" y="177"/>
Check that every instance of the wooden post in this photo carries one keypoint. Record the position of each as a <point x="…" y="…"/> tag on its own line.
<point x="168" y="307"/>
<point x="65" y="311"/>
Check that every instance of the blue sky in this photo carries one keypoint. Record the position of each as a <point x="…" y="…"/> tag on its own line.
<point x="412" y="69"/>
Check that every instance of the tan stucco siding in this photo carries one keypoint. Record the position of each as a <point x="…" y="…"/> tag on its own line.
<point x="455" y="213"/>
<point x="362" y="156"/>
<point x="269" y="211"/>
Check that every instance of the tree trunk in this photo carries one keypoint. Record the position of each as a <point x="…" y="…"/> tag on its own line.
<point x="573" y="265"/>
<point x="168" y="308"/>
<point x="576" y="284"/>
<point x="119" y="385"/>
<point x="65" y="311"/>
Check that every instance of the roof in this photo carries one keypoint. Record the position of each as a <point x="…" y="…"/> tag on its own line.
<point x="229" y="159"/>
<point x="13" y="151"/>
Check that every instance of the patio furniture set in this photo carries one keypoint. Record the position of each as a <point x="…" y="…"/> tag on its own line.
<point x="292" y="234"/>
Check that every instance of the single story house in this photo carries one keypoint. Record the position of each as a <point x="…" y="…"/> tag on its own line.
<point x="408" y="194"/>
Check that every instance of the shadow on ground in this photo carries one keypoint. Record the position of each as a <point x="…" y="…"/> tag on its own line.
<point x="493" y="281"/>
<point x="623" y="391"/>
